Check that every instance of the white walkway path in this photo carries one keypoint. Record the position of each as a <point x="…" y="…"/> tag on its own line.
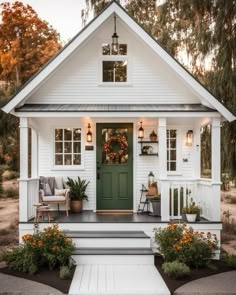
<point x="110" y="279"/>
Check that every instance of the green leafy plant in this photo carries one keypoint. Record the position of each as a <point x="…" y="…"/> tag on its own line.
<point x="192" y="208"/>
<point x="50" y="247"/>
<point x="77" y="189"/>
<point x="176" y="269"/>
<point x="65" y="273"/>
<point x="153" y="134"/>
<point x="230" y="260"/>
<point x="178" y="242"/>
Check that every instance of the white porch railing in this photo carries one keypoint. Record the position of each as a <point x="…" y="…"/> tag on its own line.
<point x="205" y="198"/>
<point x="180" y="194"/>
<point x="33" y="197"/>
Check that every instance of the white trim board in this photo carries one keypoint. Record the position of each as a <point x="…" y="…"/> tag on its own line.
<point x="205" y="96"/>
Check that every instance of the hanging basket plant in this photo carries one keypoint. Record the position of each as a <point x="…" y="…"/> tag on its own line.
<point x="123" y="148"/>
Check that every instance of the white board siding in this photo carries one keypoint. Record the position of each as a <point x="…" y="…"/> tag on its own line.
<point x="142" y="164"/>
<point x="46" y="155"/>
<point x="78" y="80"/>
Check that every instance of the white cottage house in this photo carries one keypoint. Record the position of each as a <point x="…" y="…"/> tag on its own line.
<point x="85" y="109"/>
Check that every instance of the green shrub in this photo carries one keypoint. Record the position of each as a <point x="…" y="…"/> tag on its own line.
<point x="177" y="242"/>
<point x="11" y="192"/>
<point x="176" y="269"/>
<point x="230" y="260"/>
<point x="65" y="273"/>
<point x="50" y="247"/>
<point x="9" y="175"/>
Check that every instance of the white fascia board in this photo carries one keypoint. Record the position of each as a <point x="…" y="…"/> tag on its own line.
<point x="41" y="76"/>
<point x="192" y="82"/>
<point x="118" y="114"/>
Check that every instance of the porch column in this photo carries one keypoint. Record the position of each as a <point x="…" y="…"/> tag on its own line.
<point x="34" y="153"/>
<point x="165" y="211"/>
<point x="215" y="168"/>
<point x="23" y="182"/>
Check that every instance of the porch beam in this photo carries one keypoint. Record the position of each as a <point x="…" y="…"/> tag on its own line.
<point x="23" y="184"/>
<point x="165" y="200"/>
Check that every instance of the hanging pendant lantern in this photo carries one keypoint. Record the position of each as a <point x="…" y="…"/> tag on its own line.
<point x="115" y="44"/>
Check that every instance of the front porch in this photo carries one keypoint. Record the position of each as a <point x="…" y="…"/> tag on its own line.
<point x="177" y="188"/>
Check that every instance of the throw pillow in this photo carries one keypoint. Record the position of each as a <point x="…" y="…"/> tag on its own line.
<point x="60" y="192"/>
<point x="47" y="190"/>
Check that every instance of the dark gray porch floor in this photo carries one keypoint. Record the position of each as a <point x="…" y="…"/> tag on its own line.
<point x="92" y="217"/>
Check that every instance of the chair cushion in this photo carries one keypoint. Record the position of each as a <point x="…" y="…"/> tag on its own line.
<point x="54" y="198"/>
<point x="47" y="184"/>
<point x="60" y="192"/>
<point x="59" y="183"/>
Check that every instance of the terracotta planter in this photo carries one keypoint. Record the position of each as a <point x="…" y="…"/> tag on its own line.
<point x="76" y="206"/>
<point x="152" y="191"/>
<point x="153" y="138"/>
<point x="191" y="217"/>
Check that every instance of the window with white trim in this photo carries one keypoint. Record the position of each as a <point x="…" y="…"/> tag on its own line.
<point x="171" y="136"/>
<point x="67" y="146"/>
<point x="114" y="63"/>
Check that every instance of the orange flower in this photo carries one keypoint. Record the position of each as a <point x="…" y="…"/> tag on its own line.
<point x="68" y="240"/>
<point x="40" y="243"/>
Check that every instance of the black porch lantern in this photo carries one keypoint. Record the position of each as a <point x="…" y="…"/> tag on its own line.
<point x="114" y="44"/>
<point x="89" y="134"/>
<point x="141" y="131"/>
<point x="189" y="138"/>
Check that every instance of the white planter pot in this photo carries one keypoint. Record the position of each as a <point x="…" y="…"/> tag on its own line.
<point x="191" y="217"/>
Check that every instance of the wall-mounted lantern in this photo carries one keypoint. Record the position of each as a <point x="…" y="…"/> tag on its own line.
<point x="189" y="138"/>
<point x="150" y="178"/>
<point x="141" y="131"/>
<point x="89" y="134"/>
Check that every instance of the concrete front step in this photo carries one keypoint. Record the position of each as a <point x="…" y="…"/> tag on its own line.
<point x="113" y="256"/>
<point x="109" y="239"/>
<point x="122" y="279"/>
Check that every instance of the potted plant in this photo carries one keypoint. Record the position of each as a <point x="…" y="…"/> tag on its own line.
<point x="153" y="136"/>
<point x="192" y="212"/>
<point x="152" y="189"/>
<point x="77" y="193"/>
<point x="156" y="205"/>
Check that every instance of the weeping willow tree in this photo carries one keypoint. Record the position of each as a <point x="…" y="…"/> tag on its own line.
<point x="206" y="32"/>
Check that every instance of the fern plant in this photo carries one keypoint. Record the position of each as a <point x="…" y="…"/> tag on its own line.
<point x="77" y="189"/>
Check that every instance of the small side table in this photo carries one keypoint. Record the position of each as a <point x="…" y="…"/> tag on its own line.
<point x="40" y="210"/>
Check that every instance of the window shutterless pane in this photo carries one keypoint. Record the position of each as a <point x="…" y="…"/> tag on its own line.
<point x="58" y="147"/>
<point x="67" y="134"/>
<point x="67" y="147"/>
<point x="77" y="134"/>
<point x="120" y="71"/>
<point x="58" y="134"/>
<point x="58" y="160"/>
<point x="123" y="49"/>
<point x="77" y="159"/>
<point x="106" y="49"/>
<point x="172" y="166"/>
<point x="173" y="143"/>
<point x="77" y="147"/>
<point x="173" y="155"/>
<point x="108" y="71"/>
<point x="67" y="159"/>
<point x="173" y="133"/>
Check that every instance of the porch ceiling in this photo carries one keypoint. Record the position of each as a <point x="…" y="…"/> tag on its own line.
<point x="113" y="108"/>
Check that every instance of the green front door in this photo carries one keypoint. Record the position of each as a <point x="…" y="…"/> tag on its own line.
<point x="115" y="166"/>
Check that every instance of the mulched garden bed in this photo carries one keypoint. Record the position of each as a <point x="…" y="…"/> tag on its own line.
<point x="44" y="276"/>
<point x="218" y="266"/>
<point x="51" y="278"/>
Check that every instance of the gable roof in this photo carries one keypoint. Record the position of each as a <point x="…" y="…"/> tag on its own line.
<point x="36" y="81"/>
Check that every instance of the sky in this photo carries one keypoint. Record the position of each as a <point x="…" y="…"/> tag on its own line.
<point x="63" y="15"/>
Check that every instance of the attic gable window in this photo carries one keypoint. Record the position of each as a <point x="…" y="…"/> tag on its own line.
<point x="107" y="49"/>
<point x="114" y="63"/>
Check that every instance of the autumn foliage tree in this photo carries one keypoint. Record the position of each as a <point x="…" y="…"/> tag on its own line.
<point x="26" y="43"/>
